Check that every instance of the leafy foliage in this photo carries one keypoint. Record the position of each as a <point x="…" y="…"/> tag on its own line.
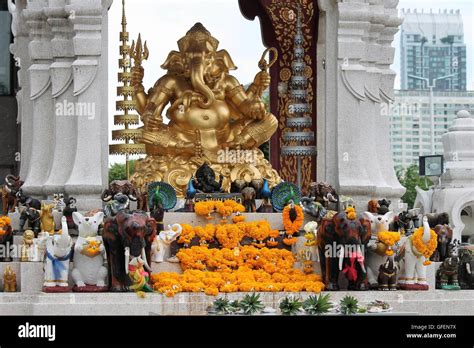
<point x="317" y="304"/>
<point x="251" y="304"/>
<point x="290" y="306"/>
<point x="409" y="178"/>
<point x="117" y="171"/>
<point x="349" y="305"/>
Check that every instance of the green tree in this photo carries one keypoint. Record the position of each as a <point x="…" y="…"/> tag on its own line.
<point x="117" y="171"/>
<point x="410" y="178"/>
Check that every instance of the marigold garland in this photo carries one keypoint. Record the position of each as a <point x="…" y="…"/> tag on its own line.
<point x="187" y="234"/>
<point x="389" y="239"/>
<point x="225" y="209"/>
<point x="290" y="226"/>
<point x="242" y="279"/>
<point x="426" y="249"/>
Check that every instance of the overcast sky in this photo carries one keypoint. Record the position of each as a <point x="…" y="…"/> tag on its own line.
<point x="163" y="22"/>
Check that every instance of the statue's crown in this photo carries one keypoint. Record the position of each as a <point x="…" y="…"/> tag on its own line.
<point x="198" y="34"/>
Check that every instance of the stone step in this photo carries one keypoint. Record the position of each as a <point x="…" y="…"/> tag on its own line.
<point x="438" y="302"/>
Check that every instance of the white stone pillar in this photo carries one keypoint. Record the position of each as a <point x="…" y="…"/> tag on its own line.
<point x="42" y="132"/>
<point x="65" y="122"/>
<point x="89" y="173"/>
<point x="19" y="49"/>
<point x="355" y="144"/>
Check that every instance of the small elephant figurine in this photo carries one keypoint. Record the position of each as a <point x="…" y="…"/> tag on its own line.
<point x="58" y="256"/>
<point x="466" y="269"/>
<point x="413" y="276"/>
<point x="435" y="219"/>
<point x="32" y="216"/>
<point x="341" y="243"/>
<point x="447" y="273"/>
<point x="127" y="235"/>
<point x="445" y="237"/>
<point x="387" y="278"/>
<point x="6" y="238"/>
<point x="89" y="273"/>
<point x="162" y="242"/>
<point x="248" y="197"/>
<point x="383" y="206"/>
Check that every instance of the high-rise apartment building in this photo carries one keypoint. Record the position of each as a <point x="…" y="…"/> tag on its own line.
<point x="432" y="46"/>
<point x="410" y="121"/>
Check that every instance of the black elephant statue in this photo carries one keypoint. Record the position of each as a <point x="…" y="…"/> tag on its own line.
<point x="127" y="237"/>
<point x="124" y="187"/>
<point x="342" y="241"/>
<point x="315" y="209"/>
<point x="437" y="219"/>
<point x="447" y="273"/>
<point x="466" y="268"/>
<point x="10" y="189"/>
<point x="405" y="222"/>
<point x="32" y="216"/>
<point x="205" y="180"/>
<point x="27" y="201"/>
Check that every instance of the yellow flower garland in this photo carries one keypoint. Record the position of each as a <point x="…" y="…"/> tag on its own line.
<point x="426" y="249"/>
<point x="187" y="234"/>
<point x="389" y="239"/>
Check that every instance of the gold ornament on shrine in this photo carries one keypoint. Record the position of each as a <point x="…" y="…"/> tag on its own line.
<point x="128" y="136"/>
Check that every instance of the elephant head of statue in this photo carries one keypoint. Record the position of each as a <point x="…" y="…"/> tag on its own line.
<point x="127" y="235"/>
<point x="199" y="60"/>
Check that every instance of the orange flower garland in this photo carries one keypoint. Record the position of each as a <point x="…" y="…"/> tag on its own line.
<point x="229" y="236"/>
<point x="291" y="227"/>
<point x="187" y="234"/>
<point x="271" y="242"/>
<point x="206" y="234"/>
<point x="225" y="209"/>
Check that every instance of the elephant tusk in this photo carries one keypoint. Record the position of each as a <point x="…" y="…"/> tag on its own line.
<point x="341" y="257"/>
<point x="145" y="261"/>
<point x="361" y="260"/>
<point x="127" y="258"/>
<point x="468" y="268"/>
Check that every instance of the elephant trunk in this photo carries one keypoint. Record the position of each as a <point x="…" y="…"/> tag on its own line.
<point x="197" y="81"/>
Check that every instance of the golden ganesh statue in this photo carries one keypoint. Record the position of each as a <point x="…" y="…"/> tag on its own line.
<point x="212" y="117"/>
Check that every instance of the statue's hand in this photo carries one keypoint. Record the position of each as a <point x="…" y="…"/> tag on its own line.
<point x="152" y="123"/>
<point x="262" y="80"/>
<point x="254" y="108"/>
<point x="137" y="76"/>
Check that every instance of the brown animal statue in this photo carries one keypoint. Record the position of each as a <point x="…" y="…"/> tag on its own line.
<point x="127" y="236"/>
<point x="120" y="186"/>
<point x="9" y="279"/>
<point x="9" y="190"/>
<point x="387" y="279"/>
<point x="323" y="193"/>
<point x="341" y="244"/>
<point x="373" y="206"/>
<point x="248" y="197"/>
<point x="445" y="236"/>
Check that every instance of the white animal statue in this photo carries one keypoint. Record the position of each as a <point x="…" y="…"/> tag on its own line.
<point x="311" y="230"/>
<point x="89" y="273"/>
<point x="375" y="258"/>
<point x="413" y="272"/>
<point x="161" y="244"/>
<point x="39" y="249"/>
<point x="56" y="264"/>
